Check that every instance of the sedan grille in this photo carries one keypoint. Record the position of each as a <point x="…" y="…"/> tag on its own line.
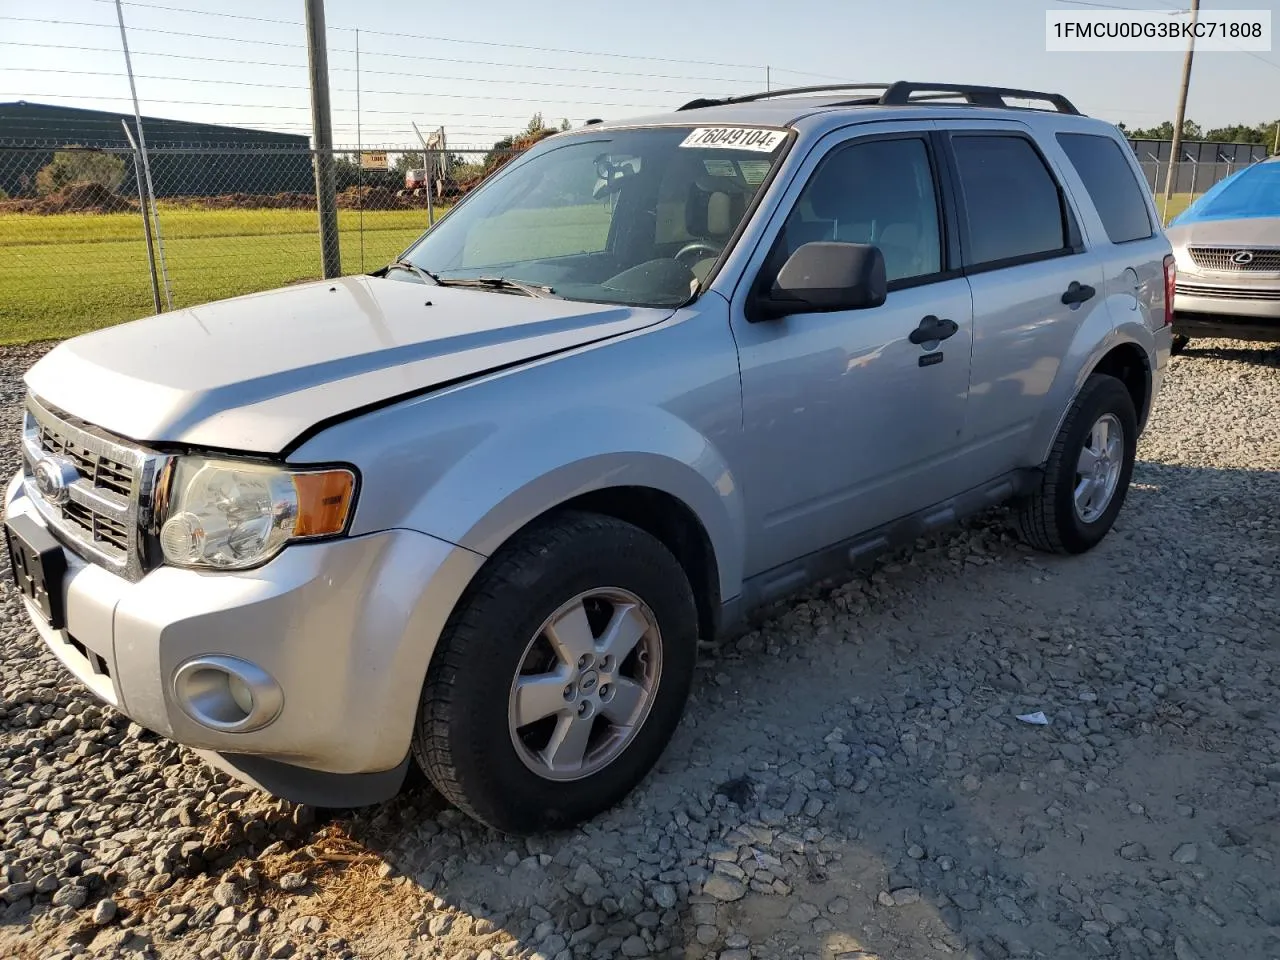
<point x="1226" y="293"/>
<point x="1229" y="259"/>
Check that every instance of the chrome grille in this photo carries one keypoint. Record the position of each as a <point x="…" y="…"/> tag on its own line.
<point x="1225" y="293"/>
<point x="106" y="516"/>
<point x="99" y="468"/>
<point x="1264" y="259"/>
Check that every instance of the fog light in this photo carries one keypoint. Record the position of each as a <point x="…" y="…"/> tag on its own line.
<point x="227" y="693"/>
<point x="240" y="693"/>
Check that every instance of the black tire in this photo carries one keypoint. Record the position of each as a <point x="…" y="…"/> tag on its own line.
<point x="1048" y="519"/>
<point x="462" y="739"/>
<point x="1180" y="342"/>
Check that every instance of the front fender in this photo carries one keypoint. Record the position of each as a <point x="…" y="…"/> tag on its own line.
<point x="515" y="475"/>
<point x="1095" y="338"/>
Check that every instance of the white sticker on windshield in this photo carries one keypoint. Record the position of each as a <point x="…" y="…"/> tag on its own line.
<point x="735" y="138"/>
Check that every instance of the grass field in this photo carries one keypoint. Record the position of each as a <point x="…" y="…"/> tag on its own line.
<point x="65" y="274"/>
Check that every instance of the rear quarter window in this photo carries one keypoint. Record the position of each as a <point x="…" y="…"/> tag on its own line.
<point x="1111" y="184"/>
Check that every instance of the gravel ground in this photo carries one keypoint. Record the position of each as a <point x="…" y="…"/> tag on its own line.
<point x="851" y="780"/>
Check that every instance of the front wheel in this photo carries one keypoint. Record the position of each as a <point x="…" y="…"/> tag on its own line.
<point x="1088" y="471"/>
<point x="561" y="677"/>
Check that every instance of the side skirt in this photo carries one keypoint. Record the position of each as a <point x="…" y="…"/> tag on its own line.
<point x="848" y="555"/>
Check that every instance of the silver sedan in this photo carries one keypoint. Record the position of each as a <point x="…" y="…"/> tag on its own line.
<point x="1227" y="246"/>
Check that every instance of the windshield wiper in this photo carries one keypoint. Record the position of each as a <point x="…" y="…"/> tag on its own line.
<point x="498" y="283"/>
<point x="426" y="276"/>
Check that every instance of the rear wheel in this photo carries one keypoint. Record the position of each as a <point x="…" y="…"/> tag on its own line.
<point x="561" y="676"/>
<point x="1088" y="471"/>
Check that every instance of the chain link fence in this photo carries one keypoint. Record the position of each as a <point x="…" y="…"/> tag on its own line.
<point x="83" y="246"/>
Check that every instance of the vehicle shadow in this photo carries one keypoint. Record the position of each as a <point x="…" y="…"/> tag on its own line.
<point x="1240" y="351"/>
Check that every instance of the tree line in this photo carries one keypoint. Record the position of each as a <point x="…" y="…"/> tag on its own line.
<point x="1262" y="133"/>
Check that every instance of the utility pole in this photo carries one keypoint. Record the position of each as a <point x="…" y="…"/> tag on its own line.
<point x="322" y="137"/>
<point x="1176" y="150"/>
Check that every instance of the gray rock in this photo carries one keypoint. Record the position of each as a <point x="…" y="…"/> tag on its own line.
<point x="1185" y="853"/>
<point x="73" y="896"/>
<point x="724" y="888"/>
<point x="1182" y="949"/>
<point x="1010" y="910"/>
<point x="292" y="881"/>
<point x="664" y="896"/>
<point x="439" y="925"/>
<point x="104" y="912"/>
<point x="803" y="913"/>
<point x="634" y="946"/>
<point x="228" y="895"/>
<point x="1114" y="914"/>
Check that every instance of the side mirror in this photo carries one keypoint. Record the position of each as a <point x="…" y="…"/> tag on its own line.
<point x="825" y="276"/>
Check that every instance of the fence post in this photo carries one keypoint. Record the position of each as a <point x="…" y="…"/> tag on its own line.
<point x="431" y="173"/>
<point x="146" y="220"/>
<point x="322" y="131"/>
<point x="142" y="148"/>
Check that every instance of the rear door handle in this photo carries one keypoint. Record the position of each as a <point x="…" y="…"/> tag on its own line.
<point x="1078" y="293"/>
<point x="931" y="329"/>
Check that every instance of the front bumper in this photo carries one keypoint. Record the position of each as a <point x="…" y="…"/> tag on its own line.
<point x="345" y="629"/>
<point x="1237" y="318"/>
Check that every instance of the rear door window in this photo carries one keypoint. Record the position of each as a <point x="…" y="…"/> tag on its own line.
<point x="1013" y="205"/>
<point x="1111" y="184"/>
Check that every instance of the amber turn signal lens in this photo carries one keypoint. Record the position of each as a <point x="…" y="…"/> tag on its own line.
<point x="323" y="501"/>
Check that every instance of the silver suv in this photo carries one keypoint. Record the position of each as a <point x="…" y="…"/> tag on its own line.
<point x="476" y="509"/>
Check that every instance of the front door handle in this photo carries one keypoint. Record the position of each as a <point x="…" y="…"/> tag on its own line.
<point x="933" y="329"/>
<point x="1078" y="293"/>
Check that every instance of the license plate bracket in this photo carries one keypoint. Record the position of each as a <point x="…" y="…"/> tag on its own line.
<point x="39" y="568"/>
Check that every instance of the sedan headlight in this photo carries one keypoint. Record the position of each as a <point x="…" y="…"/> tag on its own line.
<point x="229" y="515"/>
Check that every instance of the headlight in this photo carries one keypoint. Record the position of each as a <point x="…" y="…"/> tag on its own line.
<point x="230" y="515"/>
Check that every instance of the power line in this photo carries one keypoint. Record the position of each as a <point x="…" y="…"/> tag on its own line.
<point x="280" y="86"/>
<point x="275" y="106"/>
<point x="442" y="39"/>
<point x="398" y="56"/>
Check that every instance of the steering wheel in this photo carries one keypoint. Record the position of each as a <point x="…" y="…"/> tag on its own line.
<point x="698" y="246"/>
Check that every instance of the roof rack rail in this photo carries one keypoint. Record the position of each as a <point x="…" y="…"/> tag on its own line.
<point x="769" y="94"/>
<point x="899" y="94"/>
<point x="905" y="92"/>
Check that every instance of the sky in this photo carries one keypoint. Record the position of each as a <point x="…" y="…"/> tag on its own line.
<point x="482" y="69"/>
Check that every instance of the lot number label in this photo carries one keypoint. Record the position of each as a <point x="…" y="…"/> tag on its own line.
<point x="735" y="138"/>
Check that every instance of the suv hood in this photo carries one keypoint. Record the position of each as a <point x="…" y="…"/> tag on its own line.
<point x="252" y="373"/>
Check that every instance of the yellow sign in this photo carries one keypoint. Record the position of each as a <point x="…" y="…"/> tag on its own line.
<point x="373" y="161"/>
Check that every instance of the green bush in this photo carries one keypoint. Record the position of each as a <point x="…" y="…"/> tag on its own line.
<point x="80" y="166"/>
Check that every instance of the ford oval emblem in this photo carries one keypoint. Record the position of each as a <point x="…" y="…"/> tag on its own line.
<point x="54" y="477"/>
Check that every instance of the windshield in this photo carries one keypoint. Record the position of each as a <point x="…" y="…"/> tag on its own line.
<point x="635" y="217"/>
<point x="1254" y="192"/>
